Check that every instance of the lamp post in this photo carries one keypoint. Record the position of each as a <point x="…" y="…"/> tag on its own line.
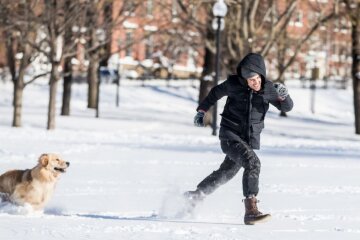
<point x="117" y="74"/>
<point x="101" y="37"/>
<point x="315" y="74"/>
<point x="219" y="11"/>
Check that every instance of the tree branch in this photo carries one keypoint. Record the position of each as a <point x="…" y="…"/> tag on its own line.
<point x="36" y="77"/>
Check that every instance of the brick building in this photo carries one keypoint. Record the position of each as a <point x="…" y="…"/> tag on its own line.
<point x="153" y="38"/>
<point x="328" y="48"/>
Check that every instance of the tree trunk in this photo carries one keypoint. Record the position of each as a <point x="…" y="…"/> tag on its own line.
<point x="18" y="80"/>
<point x="282" y="46"/>
<point x="68" y="41"/>
<point x="92" y="81"/>
<point x="52" y="99"/>
<point x="207" y="81"/>
<point x="18" y="99"/>
<point x="355" y="70"/>
<point x="65" y="109"/>
<point x="10" y="54"/>
<point x="281" y="78"/>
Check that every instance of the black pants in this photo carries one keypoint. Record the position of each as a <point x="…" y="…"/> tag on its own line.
<point x="238" y="154"/>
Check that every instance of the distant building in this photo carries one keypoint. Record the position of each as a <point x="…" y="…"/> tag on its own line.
<point x="152" y="40"/>
<point x="328" y="48"/>
<point x="144" y="45"/>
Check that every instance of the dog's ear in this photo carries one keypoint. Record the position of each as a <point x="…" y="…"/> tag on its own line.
<point x="44" y="159"/>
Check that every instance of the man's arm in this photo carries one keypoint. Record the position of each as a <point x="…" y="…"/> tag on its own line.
<point x="283" y="102"/>
<point x="214" y="95"/>
<point x="285" y="105"/>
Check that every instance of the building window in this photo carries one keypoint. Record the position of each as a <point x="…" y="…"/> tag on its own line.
<point x="296" y="70"/>
<point x="297" y="20"/>
<point x="129" y="8"/>
<point x="149" y="7"/>
<point x="334" y="48"/>
<point x="128" y="44"/>
<point x="344" y="27"/>
<point x="149" y="46"/>
<point x="174" y="9"/>
<point x="194" y="9"/>
<point x="336" y="25"/>
<point x="323" y="27"/>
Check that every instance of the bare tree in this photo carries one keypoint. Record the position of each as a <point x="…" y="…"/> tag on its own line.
<point x="96" y="36"/>
<point x="193" y="31"/>
<point x="99" y="21"/>
<point x="70" y="47"/>
<point x="20" y="30"/>
<point x="296" y="44"/>
<point x="68" y="75"/>
<point x="353" y="11"/>
<point x="56" y="17"/>
<point x="253" y="26"/>
<point x="54" y="23"/>
<point x="102" y="18"/>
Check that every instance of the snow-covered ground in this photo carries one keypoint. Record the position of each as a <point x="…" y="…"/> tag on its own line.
<point x="129" y="166"/>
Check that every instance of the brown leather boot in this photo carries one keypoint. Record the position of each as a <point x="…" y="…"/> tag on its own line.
<point x="252" y="214"/>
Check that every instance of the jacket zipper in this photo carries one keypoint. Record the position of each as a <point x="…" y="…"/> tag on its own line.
<point x="249" y="116"/>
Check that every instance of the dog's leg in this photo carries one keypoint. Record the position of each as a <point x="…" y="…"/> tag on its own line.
<point x="4" y="197"/>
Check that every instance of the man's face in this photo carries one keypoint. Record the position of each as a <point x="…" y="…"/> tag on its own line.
<point x="254" y="83"/>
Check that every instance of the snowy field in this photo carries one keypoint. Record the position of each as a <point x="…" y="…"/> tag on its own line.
<point x="129" y="166"/>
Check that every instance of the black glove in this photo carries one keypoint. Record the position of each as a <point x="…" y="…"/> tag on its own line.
<point x="199" y="119"/>
<point x="281" y="90"/>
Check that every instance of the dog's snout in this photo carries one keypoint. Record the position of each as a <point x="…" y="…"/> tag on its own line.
<point x="67" y="164"/>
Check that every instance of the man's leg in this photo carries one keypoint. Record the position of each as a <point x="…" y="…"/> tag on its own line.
<point x="227" y="171"/>
<point x="251" y="164"/>
<point x="242" y="153"/>
<point x="251" y="174"/>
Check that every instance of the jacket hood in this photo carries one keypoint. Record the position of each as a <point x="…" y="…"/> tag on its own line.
<point x="255" y="63"/>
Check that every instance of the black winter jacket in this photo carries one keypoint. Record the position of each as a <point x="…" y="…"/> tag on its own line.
<point x="245" y="109"/>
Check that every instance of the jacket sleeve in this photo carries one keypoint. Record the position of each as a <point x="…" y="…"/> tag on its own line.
<point x="214" y="95"/>
<point x="286" y="105"/>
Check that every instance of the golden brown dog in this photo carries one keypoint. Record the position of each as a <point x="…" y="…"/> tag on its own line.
<point x="33" y="186"/>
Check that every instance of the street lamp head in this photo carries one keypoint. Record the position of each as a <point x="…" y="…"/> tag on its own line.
<point x="219" y="9"/>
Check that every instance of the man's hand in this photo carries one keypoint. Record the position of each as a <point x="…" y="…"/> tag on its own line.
<point x="281" y="90"/>
<point x="199" y="119"/>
